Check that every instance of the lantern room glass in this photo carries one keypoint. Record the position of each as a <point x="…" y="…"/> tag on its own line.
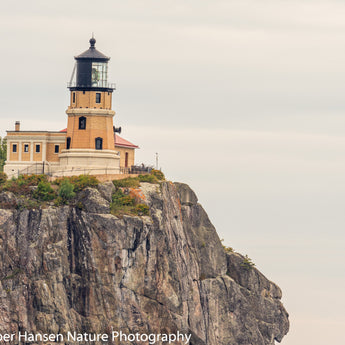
<point x="99" y="74"/>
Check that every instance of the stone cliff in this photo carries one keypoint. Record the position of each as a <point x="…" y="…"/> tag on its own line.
<point x="82" y="269"/>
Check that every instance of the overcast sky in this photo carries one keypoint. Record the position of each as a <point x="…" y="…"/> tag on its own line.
<point x="243" y="100"/>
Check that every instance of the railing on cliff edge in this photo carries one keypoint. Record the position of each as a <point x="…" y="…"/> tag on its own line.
<point x="44" y="168"/>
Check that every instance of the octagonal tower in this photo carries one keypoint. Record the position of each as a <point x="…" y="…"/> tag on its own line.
<point x="90" y="146"/>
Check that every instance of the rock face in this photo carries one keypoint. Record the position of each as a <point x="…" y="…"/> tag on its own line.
<point x="83" y="269"/>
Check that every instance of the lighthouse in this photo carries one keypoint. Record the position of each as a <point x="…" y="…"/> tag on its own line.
<point x="90" y="135"/>
<point x="90" y="144"/>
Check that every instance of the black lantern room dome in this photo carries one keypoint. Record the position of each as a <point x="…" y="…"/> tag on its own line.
<point x="92" y="53"/>
<point x="91" y="70"/>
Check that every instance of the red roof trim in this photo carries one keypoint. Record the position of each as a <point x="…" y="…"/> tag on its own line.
<point x="121" y="142"/>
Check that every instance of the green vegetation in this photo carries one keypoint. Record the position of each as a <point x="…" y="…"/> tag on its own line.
<point x="44" y="192"/>
<point x="226" y="248"/>
<point x="247" y="263"/>
<point x="65" y="192"/>
<point x="26" y="203"/>
<point x="158" y="174"/>
<point x="79" y="182"/>
<point x="3" y="178"/>
<point x="3" y="153"/>
<point x="34" y="191"/>
<point x="126" y="204"/>
<point x="120" y="199"/>
<point x="31" y="191"/>
<point x="129" y="182"/>
<point x="134" y="182"/>
<point x="22" y="186"/>
<point x="148" y="178"/>
<point x="142" y="210"/>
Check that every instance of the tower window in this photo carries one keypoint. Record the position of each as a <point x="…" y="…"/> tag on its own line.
<point x="82" y="122"/>
<point x="73" y="97"/>
<point x="126" y="160"/>
<point x="99" y="74"/>
<point x="56" y="149"/>
<point x="26" y="147"/>
<point x="14" y="148"/>
<point x="68" y="143"/>
<point x="99" y="143"/>
<point x="98" y="97"/>
<point x="38" y="148"/>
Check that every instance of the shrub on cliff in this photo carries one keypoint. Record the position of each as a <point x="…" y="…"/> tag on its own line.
<point x="66" y="191"/>
<point x="44" y="192"/>
<point x="82" y="181"/>
<point x="158" y="174"/>
<point x="121" y="199"/>
<point x="226" y="248"/>
<point x="148" y="178"/>
<point x="247" y="263"/>
<point x="142" y="210"/>
<point x="126" y="204"/>
<point x="22" y="184"/>
<point x="79" y="182"/>
<point x="31" y="180"/>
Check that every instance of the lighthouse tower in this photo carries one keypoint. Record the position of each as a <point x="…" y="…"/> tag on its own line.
<point x="90" y="146"/>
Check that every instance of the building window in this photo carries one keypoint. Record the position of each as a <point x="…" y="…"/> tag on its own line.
<point x="82" y="122"/>
<point x="73" y="97"/>
<point x="68" y="143"/>
<point x="38" y="148"/>
<point x="26" y="147"/>
<point x="126" y="160"/>
<point x="56" y="149"/>
<point x="14" y="148"/>
<point x="98" y="97"/>
<point x="99" y="143"/>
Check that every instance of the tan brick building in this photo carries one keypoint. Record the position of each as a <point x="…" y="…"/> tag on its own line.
<point x="87" y="145"/>
<point x="126" y="151"/>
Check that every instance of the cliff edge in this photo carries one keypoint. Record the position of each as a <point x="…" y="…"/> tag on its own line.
<point x="83" y="269"/>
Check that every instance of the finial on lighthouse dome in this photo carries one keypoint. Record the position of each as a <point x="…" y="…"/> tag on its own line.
<point x="92" y="42"/>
